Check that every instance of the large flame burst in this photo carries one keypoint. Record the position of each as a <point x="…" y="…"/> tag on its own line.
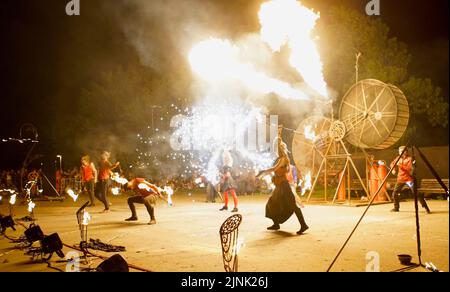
<point x="203" y="132"/>
<point x="288" y="22"/>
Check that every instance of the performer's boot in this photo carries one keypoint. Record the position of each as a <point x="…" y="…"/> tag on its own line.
<point x="133" y="212"/>
<point x="151" y="211"/>
<point x="301" y="220"/>
<point x="275" y="226"/>
<point x="224" y="208"/>
<point x="235" y="210"/>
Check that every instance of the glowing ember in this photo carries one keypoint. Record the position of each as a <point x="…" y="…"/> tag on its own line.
<point x="31" y="206"/>
<point x="12" y="199"/>
<point x="216" y="60"/>
<point x="115" y="191"/>
<point x="72" y="194"/>
<point x="307" y="184"/>
<point x="86" y="218"/>
<point x="309" y="133"/>
<point x="288" y="22"/>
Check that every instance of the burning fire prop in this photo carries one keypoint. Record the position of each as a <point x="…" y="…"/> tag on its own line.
<point x="31" y="206"/>
<point x="115" y="191"/>
<point x="72" y="194"/>
<point x="307" y="184"/>
<point x="12" y="200"/>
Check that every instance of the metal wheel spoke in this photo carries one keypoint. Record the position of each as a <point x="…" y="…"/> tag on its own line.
<point x="354" y="107"/>
<point x="385" y="126"/>
<point x="362" y="130"/>
<point x="374" y="127"/>
<point x="376" y="99"/>
<point x="387" y="105"/>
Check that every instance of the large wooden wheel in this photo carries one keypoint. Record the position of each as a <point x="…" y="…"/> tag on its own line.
<point x="375" y="114"/>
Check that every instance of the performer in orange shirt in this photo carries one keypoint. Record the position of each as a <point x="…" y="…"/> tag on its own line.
<point x="147" y="194"/>
<point x="104" y="175"/>
<point x="88" y="177"/>
<point x="404" y="168"/>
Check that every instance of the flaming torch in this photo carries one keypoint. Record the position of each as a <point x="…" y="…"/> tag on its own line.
<point x="31" y="206"/>
<point x="169" y="191"/>
<point x="12" y="202"/>
<point x="84" y="226"/>
<point x="72" y="194"/>
<point x="307" y="184"/>
<point x="115" y="191"/>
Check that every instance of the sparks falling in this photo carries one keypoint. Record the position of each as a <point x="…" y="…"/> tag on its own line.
<point x="288" y="22"/>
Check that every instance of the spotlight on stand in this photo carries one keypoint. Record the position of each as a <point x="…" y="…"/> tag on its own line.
<point x="115" y="264"/>
<point x="34" y="233"/>
<point x="6" y="222"/>
<point x="52" y="244"/>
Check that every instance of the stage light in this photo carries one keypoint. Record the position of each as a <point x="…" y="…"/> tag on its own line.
<point x="52" y="244"/>
<point x="6" y="222"/>
<point x="34" y="233"/>
<point x="115" y="264"/>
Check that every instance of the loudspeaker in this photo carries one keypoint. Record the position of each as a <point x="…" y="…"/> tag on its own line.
<point x="115" y="264"/>
<point x="34" y="233"/>
<point x="6" y="222"/>
<point x="51" y="244"/>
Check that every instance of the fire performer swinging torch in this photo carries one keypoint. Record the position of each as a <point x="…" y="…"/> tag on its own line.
<point x="147" y="194"/>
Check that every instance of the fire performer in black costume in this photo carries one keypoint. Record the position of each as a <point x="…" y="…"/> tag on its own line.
<point x="281" y="204"/>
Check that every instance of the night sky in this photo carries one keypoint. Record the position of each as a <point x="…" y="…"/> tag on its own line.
<point x="47" y="57"/>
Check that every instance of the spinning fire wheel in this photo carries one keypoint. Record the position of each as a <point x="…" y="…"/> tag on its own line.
<point x="372" y="115"/>
<point x="315" y="138"/>
<point x="308" y="148"/>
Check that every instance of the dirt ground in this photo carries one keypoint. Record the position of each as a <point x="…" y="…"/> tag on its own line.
<point x="186" y="236"/>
